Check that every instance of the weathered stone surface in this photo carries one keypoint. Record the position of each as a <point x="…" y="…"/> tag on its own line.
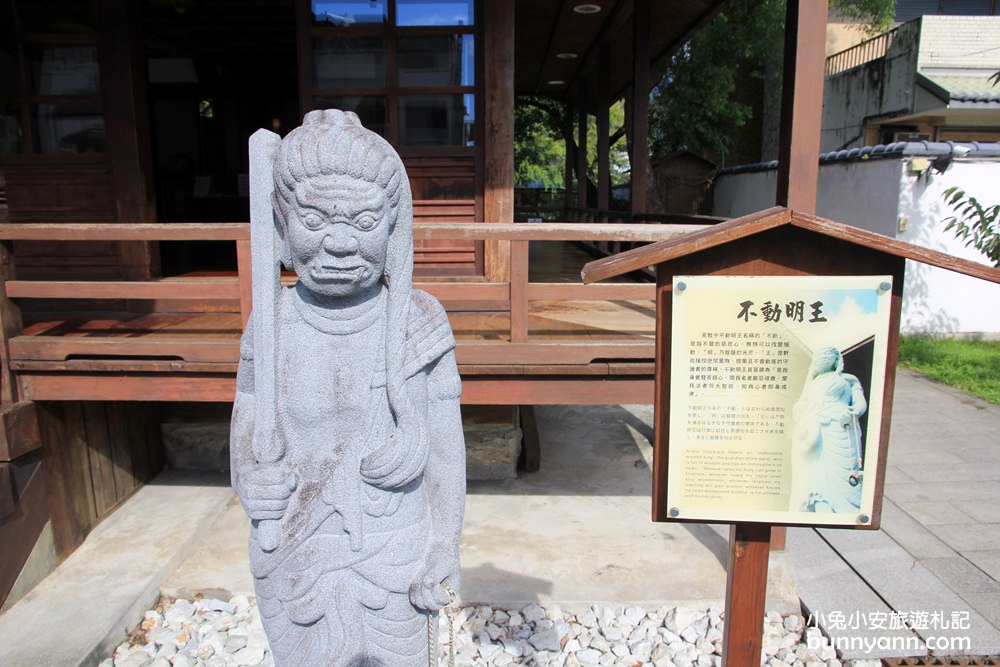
<point x="346" y="439"/>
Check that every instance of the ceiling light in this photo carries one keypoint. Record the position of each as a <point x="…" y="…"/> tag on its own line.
<point x="587" y="9"/>
<point x="566" y="56"/>
<point x="557" y="82"/>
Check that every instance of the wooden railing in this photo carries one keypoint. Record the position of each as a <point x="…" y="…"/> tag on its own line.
<point x="859" y="54"/>
<point x="455" y="293"/>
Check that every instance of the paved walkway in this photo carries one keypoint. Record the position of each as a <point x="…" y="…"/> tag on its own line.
<point x="577" y="532"/>
<point x="936" y="562"/>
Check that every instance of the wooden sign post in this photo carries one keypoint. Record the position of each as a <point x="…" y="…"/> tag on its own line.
<point x="733" y="374"/>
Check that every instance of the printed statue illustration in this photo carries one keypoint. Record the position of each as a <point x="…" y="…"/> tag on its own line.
<point x="827" y="470"/>
<point x="346" y="443"/>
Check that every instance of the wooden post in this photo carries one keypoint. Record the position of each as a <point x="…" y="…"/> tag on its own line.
<point x="126" y="116"/>
<point x="746" y="588"/>
<point x="801" y="119"/>
<point x="570" y="156"/>
<point x="801" y="104"/>
<point x="581" y="147"/>
<point x="640" y="104"/>
<point x="499" y="111"/>
<point x="519" y="291"/>
<point x="603" y="129"/>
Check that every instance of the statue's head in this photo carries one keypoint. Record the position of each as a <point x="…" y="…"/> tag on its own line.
<point x="343" y="204"/>
<point x="826" y="360"/>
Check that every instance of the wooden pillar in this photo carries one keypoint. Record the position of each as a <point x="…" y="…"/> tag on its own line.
<point x="746" y="589"/>
<point x="640" y="104"/>
<point x="570" y="156"/>
<point x="126" y="117"/>
<point x="603" y="129"/>
<point x="498" y="19"/>
<point x="801" y="119"/>
<point x="581" y="146"/>
<point x="801" y="104"/>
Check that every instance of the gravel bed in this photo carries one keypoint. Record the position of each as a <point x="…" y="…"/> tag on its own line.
<point x="218" y="633"/>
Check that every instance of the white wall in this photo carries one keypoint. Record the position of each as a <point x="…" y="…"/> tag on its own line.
<point x="874" y="195"/>
<point x="935" y="300"/>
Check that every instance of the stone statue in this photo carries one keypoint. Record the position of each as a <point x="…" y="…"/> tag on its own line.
<point x="346" y="443"/>
<point x="827" y="443"/>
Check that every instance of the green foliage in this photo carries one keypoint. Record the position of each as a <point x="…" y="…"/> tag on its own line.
<point x="694" y="106"/>
<point x="974" y="223"/>
<point x="539" y="150"/>
<point x="972" y="366"/>
<point x="875" y="15"/>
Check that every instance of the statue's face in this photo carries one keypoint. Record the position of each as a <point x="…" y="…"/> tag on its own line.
<point x="338" y="234"/>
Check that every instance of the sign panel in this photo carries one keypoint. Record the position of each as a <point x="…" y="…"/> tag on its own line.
<point x="776" y="395"/>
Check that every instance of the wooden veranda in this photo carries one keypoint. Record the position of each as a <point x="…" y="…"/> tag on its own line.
<point x="123" y="288"/>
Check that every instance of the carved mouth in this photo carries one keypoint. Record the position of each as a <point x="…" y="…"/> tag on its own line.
<point x="346" y="274"/>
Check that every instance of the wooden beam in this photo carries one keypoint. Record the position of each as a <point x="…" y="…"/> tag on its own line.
<point x="603" y="128"/>
<point x="499" y="111"/>
<point x="168" y="288"/>
<point x="555" y="231"/>
<point x="568" y="390"/>
<point x="581" y="145"/>
<point x="476" y="389"/>
<point x="640" y="104"/>
<point x="137" y="231"/>
<point x="801" y="104"/>
<point x="554" y="353"/>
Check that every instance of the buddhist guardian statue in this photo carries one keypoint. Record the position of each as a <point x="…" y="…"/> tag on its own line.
<point x="827" y="448"/>
<point x="346" y="443"/>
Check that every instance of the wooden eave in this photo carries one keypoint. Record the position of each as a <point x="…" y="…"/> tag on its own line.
<point x="544" y="29"/>
<point x="768" y="219"/>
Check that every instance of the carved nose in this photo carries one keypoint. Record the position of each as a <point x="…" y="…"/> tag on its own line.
<point x="340" y="240"/>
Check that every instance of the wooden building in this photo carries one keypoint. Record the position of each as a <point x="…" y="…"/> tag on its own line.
<point x="125" y="247"/>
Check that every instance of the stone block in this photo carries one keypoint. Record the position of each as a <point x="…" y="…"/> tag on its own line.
<point x="491" y="450"/>
<point x="196" y="446"/>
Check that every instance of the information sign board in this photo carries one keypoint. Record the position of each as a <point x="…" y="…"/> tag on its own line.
<point x="776" y="395"/>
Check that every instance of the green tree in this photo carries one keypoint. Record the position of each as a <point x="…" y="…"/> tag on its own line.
<point x="539" y="148"/>
<point x="974" y="223"/>
<point x="696" y="107"/>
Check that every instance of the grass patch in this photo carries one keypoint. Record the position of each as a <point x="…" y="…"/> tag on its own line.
<point x="970" y="365"/>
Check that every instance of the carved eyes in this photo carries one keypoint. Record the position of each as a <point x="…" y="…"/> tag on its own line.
<point x="314" y="222"/>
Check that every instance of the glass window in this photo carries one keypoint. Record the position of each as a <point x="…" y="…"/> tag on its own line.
<point x="349" y="12"/>
<point x="69" y="127"/>
<point x="434" y="12"/>
<point x="434" y="120"/>
<point x="440" y="60"/>
<point x="371" y="110"/>
<point x="354" y="62"/>
<point x="64" y="70"/>
<point x="10" y="130"/>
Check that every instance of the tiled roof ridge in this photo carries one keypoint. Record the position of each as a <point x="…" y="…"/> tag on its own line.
<point x="898" y="149"/>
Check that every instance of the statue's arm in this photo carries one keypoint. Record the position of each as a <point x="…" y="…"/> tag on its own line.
<point x="444" y="481"/>
<point x="858" y="403"/>
<point x="263" y="490"/>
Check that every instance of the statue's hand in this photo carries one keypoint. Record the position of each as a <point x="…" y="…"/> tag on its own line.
<point x="430" y="592"/>
<point x="264" y="490"/>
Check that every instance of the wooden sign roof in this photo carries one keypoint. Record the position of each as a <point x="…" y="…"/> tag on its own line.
<point x="772" y="218"/>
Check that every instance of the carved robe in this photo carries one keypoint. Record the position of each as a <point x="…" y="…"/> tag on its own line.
<point x="346" y="548"/>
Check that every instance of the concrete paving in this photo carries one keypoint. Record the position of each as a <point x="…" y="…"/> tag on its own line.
<point x="577" y="532"/>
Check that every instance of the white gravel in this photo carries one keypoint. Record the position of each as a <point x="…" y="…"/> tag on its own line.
<point x="217" y="633"/>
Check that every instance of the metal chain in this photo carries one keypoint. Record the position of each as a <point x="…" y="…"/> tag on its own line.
<point x="432" y="635"/>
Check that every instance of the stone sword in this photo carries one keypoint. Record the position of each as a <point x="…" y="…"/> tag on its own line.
<point x="266" y="282"/>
